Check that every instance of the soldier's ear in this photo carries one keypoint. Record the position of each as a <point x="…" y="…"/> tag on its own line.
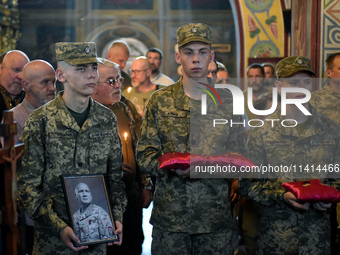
<point x="60" y="75"/>
<point x="178" y="58"/>
<point x="328" y="72"/>
<point x="278" y="85"/>
<point x="26" y="85"/>
<point x="212" y="56"/>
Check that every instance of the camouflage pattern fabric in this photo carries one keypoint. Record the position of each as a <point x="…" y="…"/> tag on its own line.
<point x="93" y="224"/>
<point x="291" y="65"/>
<point x="55" y="146"/>
<point x="192" y="32"/>
<point x="77" y="53"/>
<point x="327" y="102"/>
<point x="283" y="229"/>
<point x="192" y="206"/>
<point x="215" y="243"/>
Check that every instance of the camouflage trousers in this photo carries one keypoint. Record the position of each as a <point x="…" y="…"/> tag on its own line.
<point x="168" y="243"/>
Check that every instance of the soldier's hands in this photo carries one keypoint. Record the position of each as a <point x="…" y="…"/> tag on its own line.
<point x="68" y="237"/>
<point x="234" y="191"/>
<point x="146" y="198"/>
<point x="119" y="232"/>
<point x="127" y="169"/>
<point x="321" y="206"/>
<point x="291" y="199"/>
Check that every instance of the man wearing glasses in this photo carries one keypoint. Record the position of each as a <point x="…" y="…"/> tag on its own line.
<point x="142" y="85"/>
<point x="108" y="93"/>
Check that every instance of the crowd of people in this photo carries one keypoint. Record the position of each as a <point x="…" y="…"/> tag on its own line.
<point x="108" y="121"/>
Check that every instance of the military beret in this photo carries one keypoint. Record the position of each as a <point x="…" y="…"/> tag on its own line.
<point x="290" y="65"/>
<point x="76" y="53"/>
<point x="198" y="32"/>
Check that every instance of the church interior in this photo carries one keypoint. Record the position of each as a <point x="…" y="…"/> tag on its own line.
<point x="243" y="32"/>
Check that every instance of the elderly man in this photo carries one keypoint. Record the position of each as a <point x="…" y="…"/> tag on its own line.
<point x="11" y="88"/>
<point x="119" y="52"/>
<point x="155" y="57"/>
<point x="91" y="221"/>
<point x="38" y="79"/>
<point x="142" y="85"/>
<point x="108" y="92"/>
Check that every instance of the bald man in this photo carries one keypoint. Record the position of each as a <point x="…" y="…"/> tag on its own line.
<point x="119" y="52"/>
<point x="38" y="80"/>
<point x="11" y="88"/>
<point x="141" y="82"/>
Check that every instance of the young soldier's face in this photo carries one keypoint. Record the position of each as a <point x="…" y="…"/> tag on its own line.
<point x="195" y="58"/>
<point x="297" y="80"/>
<point x="80" y="79"/>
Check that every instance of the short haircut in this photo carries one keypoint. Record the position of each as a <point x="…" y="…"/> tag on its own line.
<point x="107" y="62"/>
<point x="120" y="44"/>
<point x="256" y="66"/>
<point x="220" y="66"/>
<point x="270" y="65"/>
<point x="330" y="60"/>
<point x="155" y="50"/>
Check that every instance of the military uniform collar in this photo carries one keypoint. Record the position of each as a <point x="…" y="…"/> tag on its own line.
<point x="68" y="120"/>
<point x="181" y="100"/>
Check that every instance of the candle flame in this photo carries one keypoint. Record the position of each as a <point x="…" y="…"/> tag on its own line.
<point x="129" y="89"/>
<point x="125" y="135"/>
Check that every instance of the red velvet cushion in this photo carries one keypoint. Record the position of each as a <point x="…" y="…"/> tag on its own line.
<point x="232" y="159"/>
<point x="313" y="191"/>
<point x="178" y="160"/>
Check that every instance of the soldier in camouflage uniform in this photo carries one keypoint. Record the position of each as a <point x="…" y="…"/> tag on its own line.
<point x="70" y="135"/>
<point x="190" y="216"/>
<point x="92" y="223"/>
<point x="327" y="102"/>
<point x="290" y="226"/>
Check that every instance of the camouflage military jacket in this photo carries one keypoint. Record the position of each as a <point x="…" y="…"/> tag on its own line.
<point x="183" y="204"/>
<point x="283" y="229"/>
<point x="327" y="102"/>
<point x="93" y="224"/>
<point x="55" y="146"/>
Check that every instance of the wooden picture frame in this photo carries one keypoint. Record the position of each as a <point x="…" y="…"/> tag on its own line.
<point x="89" y="209"/>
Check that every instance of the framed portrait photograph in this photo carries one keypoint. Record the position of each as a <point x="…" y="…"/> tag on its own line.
<point x="89" y="208"/>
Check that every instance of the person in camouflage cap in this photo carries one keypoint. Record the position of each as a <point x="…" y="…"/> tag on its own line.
<point x="327" y="102"/>
<point x="190" y="216"/>
<point x="75" y="135"/>
<point x="288" y="225"/>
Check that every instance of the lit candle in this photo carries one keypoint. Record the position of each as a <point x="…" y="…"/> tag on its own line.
<point x="129" y="91"/>
<point x="126" y="146"/>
